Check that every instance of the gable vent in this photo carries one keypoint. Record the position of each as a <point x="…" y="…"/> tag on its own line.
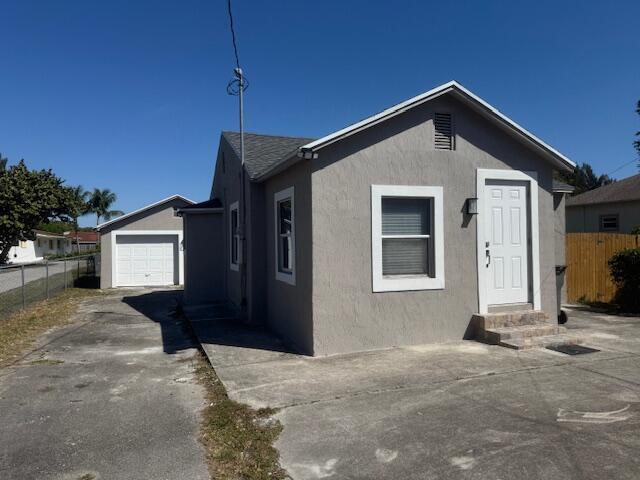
<point x="444" y="138"/>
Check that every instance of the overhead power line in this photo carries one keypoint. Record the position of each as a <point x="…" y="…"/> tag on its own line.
<point x="233" y="34"/>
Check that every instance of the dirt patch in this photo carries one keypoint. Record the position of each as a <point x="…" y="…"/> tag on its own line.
<point x="238" y="439"/>
<point x="45" y="361"/>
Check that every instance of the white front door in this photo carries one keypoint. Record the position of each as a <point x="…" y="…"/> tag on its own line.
<point x="506" y="245"/>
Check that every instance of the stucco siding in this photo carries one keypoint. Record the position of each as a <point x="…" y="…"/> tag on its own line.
<point x="226" y="187"/>
<point x="289" y="310"/>
<point x="203" y="264"/>
<point x="347" y="315"/>
<point x="559" y="201"/>
<point x="586" y="218"/>
<point x="161" y="217"/>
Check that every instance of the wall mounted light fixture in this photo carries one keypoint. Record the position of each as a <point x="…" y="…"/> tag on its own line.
<point x="472" y="206"/>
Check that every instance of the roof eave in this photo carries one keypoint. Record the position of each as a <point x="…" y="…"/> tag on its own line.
<point x="140" y="210"/>
<point x="199" y="210"/>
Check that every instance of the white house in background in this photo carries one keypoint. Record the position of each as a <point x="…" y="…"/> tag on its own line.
<point x="45" y="244"/>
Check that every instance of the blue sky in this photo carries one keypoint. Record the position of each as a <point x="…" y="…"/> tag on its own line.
<point x="130" y="95"/>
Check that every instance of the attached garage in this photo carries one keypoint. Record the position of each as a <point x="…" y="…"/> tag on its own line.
<point x="144" y="248"/>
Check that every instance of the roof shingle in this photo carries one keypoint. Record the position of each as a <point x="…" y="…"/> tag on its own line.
<point x="264" y="152"/>
<point x="625" y="190"/>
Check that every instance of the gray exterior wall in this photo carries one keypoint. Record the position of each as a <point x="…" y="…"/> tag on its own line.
<point x="559" y="201"/>
<point x="227" y="188"/>
<point x="203" y="265"/>
<point x="161" y="217"/>
<point x="347" y="315"/>
<point x="289" y="309"/>
<point x="586" y="219"/>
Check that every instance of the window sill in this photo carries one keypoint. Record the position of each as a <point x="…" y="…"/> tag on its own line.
<point x="289" y="278"/>
<point x="404" y="283"/>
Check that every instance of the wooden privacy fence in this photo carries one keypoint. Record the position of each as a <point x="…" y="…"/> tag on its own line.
<point x="588" y="277"/>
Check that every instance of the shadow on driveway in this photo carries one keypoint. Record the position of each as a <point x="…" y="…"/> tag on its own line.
<point x="162" y="308"/>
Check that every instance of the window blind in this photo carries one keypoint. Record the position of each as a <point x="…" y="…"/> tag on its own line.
<point x="410" y="218"/>
<point x="406" y="256"/>
<point x="405" y="216"/>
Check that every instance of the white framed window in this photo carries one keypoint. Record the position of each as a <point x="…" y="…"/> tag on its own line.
<point x="234" y="237"/>
<point x="407" y="244"/>
<point x="609" y="223"/>
<point x="285" y="236"/>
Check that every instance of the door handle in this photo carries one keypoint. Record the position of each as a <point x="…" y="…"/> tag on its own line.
<point x="488" y="253"/>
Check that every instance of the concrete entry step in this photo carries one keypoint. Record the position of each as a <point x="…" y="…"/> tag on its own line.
<point x="509" y="319"/>
<point x="497" y="335"/>
<point x="526" y="343"/>
<point x="521" y="330"/>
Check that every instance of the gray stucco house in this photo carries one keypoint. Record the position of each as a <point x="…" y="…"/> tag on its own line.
<point x="611" y="208"/>
<point x="399" y="229"/>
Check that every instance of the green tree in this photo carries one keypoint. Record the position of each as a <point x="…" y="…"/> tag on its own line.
<point x="79" y="200"/>
<point x="3" y="163"/>
<point x="583" y="178"/>
<point x="55" y="226"/>
<point x="100" y="203"/>
<point x="27" y="199"/>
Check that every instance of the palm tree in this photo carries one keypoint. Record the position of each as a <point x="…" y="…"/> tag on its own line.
<point x="80" y="202"/>
<point x="100" y="202"/>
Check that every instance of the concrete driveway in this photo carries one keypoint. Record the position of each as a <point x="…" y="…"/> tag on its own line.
<point x="463" y="410"/>
<point x="109" y="397"/>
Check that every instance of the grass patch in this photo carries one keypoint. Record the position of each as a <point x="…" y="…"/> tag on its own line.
<point x="19" y="330"/>
<point x="238" y="439"/>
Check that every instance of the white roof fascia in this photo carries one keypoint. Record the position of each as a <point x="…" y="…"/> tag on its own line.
<point x="422" y="98"/>
<point x="147" y="207"/>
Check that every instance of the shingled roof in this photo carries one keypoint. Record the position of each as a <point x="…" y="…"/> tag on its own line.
<point x="264" y="152"/>
<point x="625" y="190"/>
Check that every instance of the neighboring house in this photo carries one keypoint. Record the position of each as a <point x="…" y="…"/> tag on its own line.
<point x="144" y="247"/>
<point x="84" y="241"/>
<point x="45" y="244"/>
<point x="610" y="208"/>
<point x="393" y="231"/>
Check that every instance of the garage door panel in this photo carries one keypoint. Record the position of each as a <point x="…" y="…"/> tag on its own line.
<point x="157" y="264"/>
<point x="124" y="265"/>
<point x="140" y="251"/>
<point x="146" y="260"/>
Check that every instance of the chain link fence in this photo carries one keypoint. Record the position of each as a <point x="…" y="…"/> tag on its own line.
<point x="23" y="284"/>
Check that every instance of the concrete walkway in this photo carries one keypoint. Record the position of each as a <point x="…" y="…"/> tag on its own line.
<point x="110" y="397"/>
<point x="463" y="410"/>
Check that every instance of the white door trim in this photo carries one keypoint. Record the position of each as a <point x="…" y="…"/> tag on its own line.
<point x="114" y="265"/>
<point x="481" y="179"/>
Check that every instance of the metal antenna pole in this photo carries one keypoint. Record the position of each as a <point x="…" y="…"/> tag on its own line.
<point x="243" y="209"/>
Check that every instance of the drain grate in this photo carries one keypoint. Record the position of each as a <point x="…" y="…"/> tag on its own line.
<point x="572" y="349"/>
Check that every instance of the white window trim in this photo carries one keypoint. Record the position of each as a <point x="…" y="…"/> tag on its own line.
<point x="234" y="237"/>
<point x="481" y="180"/>
<point x="114" y="264"/>
<point x="383" y="283"/>
<point x="287" y="193"/>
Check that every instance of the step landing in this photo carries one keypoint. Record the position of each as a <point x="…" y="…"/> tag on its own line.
<point x="521" y="330"/>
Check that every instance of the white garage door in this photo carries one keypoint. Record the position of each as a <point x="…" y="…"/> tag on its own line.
<point x="146" y="260"/>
